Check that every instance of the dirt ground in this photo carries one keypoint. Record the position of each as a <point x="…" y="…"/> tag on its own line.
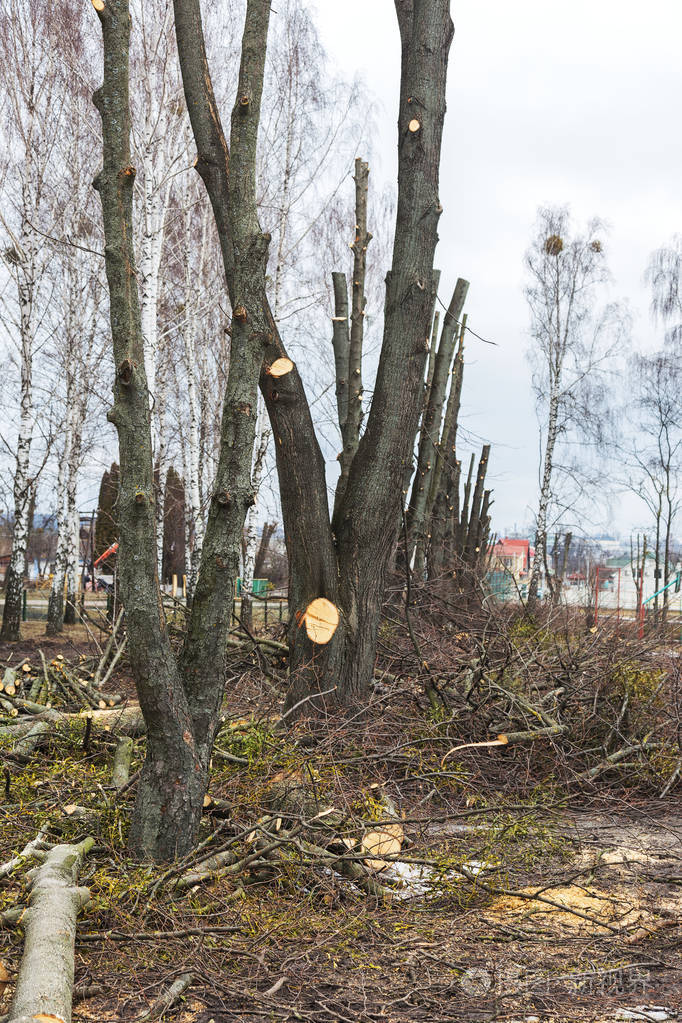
<point x="535" y="906"/>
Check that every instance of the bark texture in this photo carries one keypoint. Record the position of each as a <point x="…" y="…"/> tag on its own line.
<point x="180" y="700"/>
<point x="45" y="980"/>
<point x="430" y="442"/>
<point x="348" y="563"/>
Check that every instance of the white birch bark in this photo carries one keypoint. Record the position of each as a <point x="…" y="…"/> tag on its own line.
<point x="25" y="279"/>
<point x="162" y="470"/>
<point x="251" y="525"/>
<point x="55" y="610"/>
<point x="194" y="520"/>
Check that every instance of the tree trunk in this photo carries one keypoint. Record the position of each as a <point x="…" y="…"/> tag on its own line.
<point x="55" y="604"/>
<point x="251" y="531"/>
<point x="349" y="565"/>
<point x="545" y="496"/>
<point x="348" y="353"/>
<point x="14" y="581"/>
<point x="421" y="507"/>
<point x="45" y="982"/>
<point x="181" y="700"/>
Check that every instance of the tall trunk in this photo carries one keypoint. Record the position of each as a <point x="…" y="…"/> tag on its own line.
<point x="55" y="604"/>
<point x="170" y="788"/>
<point x="14" y="582"/>
<point x="181" y="700"/>
<point x="161" y="475"/>
<point x="545" y="497"/>
<point x="194" y="520"/>
<point x="420" y="507"/>
<point x="349" y="567"/>
<point x="73" y="518"/>
<point x="350" y="407"/>
<point x="251" y="528"/>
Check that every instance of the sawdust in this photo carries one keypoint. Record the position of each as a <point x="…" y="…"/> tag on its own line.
<point x="606" y="909"/>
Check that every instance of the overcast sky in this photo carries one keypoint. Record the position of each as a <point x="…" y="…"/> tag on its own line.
<point x="548" y="103"/>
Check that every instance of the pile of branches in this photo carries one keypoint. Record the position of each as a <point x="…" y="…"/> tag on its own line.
<point x="594" y="703"/>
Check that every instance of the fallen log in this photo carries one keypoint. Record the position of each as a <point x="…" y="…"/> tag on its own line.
<point x="117" y="720"/>
<point x="45" y="981"/>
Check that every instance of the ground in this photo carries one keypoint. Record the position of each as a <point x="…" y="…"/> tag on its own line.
<point x="468" y="936"/>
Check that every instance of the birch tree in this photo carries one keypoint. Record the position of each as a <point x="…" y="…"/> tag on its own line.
<point x="36" y="87"/>
<point x="571" y="348"/>
<point x="653" y="412"/>
<point x="160" y="151"/>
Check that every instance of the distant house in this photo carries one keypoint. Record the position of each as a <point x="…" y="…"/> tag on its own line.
<point x="513" y="556"/>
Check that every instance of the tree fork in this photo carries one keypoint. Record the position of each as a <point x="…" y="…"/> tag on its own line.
<point x="168" y="801"/>
<point x="367" y="518"/>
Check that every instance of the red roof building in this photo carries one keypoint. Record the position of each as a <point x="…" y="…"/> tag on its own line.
<point x="513" y="556"/>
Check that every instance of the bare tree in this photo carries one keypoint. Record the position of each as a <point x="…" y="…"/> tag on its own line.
<point x="181" y="698"/>
<point x="570" y="351"/>
<point x="653" y="454"/>
<point x="37" y="86"/>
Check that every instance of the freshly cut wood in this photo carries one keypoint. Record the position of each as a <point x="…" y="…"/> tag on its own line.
<point x="9" y="682"/>
<point x="45" y="980"/>
<point x="5" y="978"/>
<point x="386" y="840"/>
<point x="321" y="619"/>
<point x="280" y="367"/>
<point x="501" y="740"/>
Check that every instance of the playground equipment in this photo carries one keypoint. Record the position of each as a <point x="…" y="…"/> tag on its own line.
<point x="107" y="554"/>
<point x="676" y="581"/>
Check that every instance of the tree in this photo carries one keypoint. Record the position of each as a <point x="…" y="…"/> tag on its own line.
<point x="173" y="527"/>
<point x="181" y="697"/>
<point x="654" y="451"/>
<point x="345" y="559"/>
<point x="106" y="523"/>
<point x="37" y="84"/>
<point x="570" y="351"/>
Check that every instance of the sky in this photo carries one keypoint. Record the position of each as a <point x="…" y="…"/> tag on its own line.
<point x="548" y="103"/>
